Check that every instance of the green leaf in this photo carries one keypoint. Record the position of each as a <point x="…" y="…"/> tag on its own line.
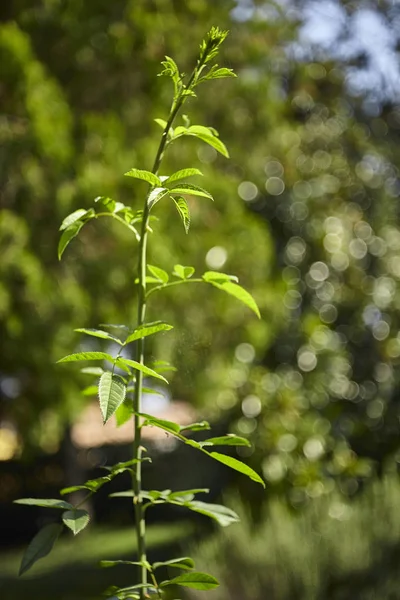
<point x="139" y="367"/>
<point x="223" y="515"/>
<point x="182" y="174"/>
<point x="168" y="426"/>
<point x="99" y="334"/>
<point x="72" y="218"/>
<point x="147" y="329"/>
<point x="68" y="234"/>
<point x="112" y="393"/>
<point x="76" y="519"/>
<point x="87" y="356"/>
<point x="156" y="195"/>
<point x="96" y="371"/>
<point x="206" y="134"/>
<point x="183" y="272"/>
<point x="144" y="176"/>
<point x="158" y="273"/>
<point x="195" y="580"/>
<point x="233" y="289"/>
<point x="93" y="485"/>
<point x="215" y="73"/>
<point x="237" y="465"/>
<point x="211" y="276"/>
<point x="161" y="123"/>
<point x="113" y="563"/>
<point x="40" y="546"/>
<point x="193" y="190"/>
<point x="121" y="467"/>
<point x="90" y="390"/>
<point x="187" y="495"/>
<point x="183" y="562"/>
<point x="201" y="426"/>
<point x="124" y="412"/>
<point x="226" y="440"/>
<point x="183" y="211"/>
<point x="45" y="503"/>
<point x="108" y="203"/>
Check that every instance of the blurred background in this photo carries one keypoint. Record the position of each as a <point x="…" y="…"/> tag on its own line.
<point x="306" y="214"/>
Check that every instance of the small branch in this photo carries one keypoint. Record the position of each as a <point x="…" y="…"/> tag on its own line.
<point x="166" y="285"/>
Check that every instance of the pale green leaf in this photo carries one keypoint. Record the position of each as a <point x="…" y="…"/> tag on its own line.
<point x="90" y="390"/>
<point x="237" y="465"/>
<point x="161" y="122"/>
<point x="183" y="272"/>
<point x="40" y="546"/>
<point x="195" y="580"/>
<point x="158" y="273"/>
<point x="187" y="495"/>
<point x="146" y="330"/>
<point x="45" y="503"/>
<point x="72" y="218"/>
<point x="183" y="211"/>
<point x="99" y="334"/>
<point x="201" y="426"/>
<point x="112" y="391"/>
<point x="226" y="440"/>
<point x="168" y="426"/>
<point x="86" y="356"/>
<point x="210" y="276"/>
<point x="96" y="371"/>
<point x="223" y="515"/>
<point x="144" y="176"/>
<point x="139" y="367"/>
<point x="182" y="174"/>
<point x="238" y="292"/>
<point x="218" y="74"/>
<point x="67" y="235"/>
<point x="183" y="562"/>
<point x="156" y="195"/>
<point x="124" y="412"/>
<point x="76" y="519"/>
<point x="193" y="190"/>
<point x="206" y="134"/>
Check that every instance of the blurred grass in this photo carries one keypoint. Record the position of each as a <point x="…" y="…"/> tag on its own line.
<point x="332" y="550"/>
<point x="71" y="572"/>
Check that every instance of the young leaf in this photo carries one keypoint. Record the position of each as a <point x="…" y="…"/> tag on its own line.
<point x="113" y="563"/>
<point x="187" y="495"/>
<point x="183" y="211"/>
<point x="223" y="515"/>
<point x="155" y="196"/>
<point x="123" y="413"/>
<point x="139" y="367"/>
<point x="40" y="546"/>
<point x="197" y="581"/>
<point x="183" y="272"/>
<point x="206" y="134"/>
<point x="96" y="371"/>
<point x="237" y="465"/>
<point x="67" y="235"/>
<point x="93" y="485"/>
<point x="168" y="426"/>
<point x="161" y="122"/>
<point x="210" y="276"/>
<point x="238" y="292"/>
<point x="193" y="190"/>
<point x="76" y="519"/>
<point x="144" y="176"/>
<point x="72" y="218"/>
<point x="182" y="174"/>
<point x="183" y="562"/>
<point x="112" y="393"/>
<point x="45" y="503"/>
<point x="99" y="334"/>
<point x="147" y="329"/>
<point x="90" y="390"/>
<point x="87" y="356"/>
<point x="201" y="426"/>
<point x="215" y="73"/>
<point x="226" y="440"/>
<point x="158" y="273"/>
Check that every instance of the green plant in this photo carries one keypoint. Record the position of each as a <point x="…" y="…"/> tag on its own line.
<point x="121" y="394"/>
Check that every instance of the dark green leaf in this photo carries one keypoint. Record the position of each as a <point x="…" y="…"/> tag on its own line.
<point x="67" y="235"/>
<point x="76" y="519"/>
<point x="183" y="562"/>
<point x="193" y="190"/>
<point x="144" y="176"/>
<point x="183" y="211"/>
<point x="158" y="273"/>
<point x="99" y="334"/>
<point x="182" y="174"/>
<point x="195" y="580"/>
<point x="183" y="272"/>
<point x="45" y="503"/>
<point x="112" y="393"/>
<point x="147" y="329"/>
<point x="40" y="546"/>
<point x="237" y="465"/>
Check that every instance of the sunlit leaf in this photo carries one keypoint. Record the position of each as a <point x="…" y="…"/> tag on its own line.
<point x="168" y="426"/>
<point x="183" y="562"/>
<point x="156" y="195"/>
<point x="193" y="190"/>
<point x="210" y="276"/>
<point x="223" y="515"/>
<point x="183" y="272"/>
<point x="201" y="426"/>
<point x="99" y="334"/>
<point x="86" y="356"/>
<point x="183" y="211"/>
<point x="147" y="329"/>
<point x="233" y="289"/>
<point x="195" y="580"/>
<point x="144" y="176"/>
<point x="112" y="391"/>
<point x="67" y="235"/>
<point x="76" y="519"/>
<point x="237" y="465"/>
<point x="139" y="367"/>
<point x="45" y="503"/>
<point x="226" y="440"/>
<point x="124" y="412"/>
<point x="40" y="546"/>
<point x="72" y="218"/>
<point x="183" y="174"/>
<point x="158" y="273"/>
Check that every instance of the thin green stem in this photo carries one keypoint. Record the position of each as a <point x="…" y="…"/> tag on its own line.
<point x="172" y="283"/>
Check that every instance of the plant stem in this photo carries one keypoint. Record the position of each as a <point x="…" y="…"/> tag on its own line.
<point x="141" y="315"/>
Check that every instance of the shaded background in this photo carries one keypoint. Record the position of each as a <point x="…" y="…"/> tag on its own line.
<point x="306" y="214"/>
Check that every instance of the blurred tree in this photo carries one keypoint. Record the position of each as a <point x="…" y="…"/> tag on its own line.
<point x="305" y="213"/>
